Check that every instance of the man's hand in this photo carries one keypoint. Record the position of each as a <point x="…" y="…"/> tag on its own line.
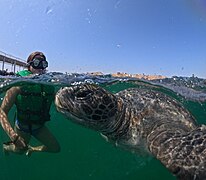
<point x="20" y="143"/>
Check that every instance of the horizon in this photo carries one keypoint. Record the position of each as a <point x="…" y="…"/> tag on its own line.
<point x="136" y="37"/>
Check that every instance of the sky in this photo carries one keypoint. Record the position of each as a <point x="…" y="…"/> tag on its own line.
<point x="162" y="37"/>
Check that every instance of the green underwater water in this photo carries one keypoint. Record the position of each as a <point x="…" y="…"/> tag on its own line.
<point x="85" y="154"/>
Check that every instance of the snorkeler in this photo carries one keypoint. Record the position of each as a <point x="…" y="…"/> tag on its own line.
<point x="33" y="103"/>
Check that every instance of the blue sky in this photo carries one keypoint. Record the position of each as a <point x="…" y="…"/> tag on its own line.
<point x="166" y="37"/>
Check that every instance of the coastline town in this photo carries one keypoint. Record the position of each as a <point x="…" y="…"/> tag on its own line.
<point x="138" y="76"/>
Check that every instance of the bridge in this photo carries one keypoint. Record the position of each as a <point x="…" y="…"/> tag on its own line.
<point x="12" y="61"/>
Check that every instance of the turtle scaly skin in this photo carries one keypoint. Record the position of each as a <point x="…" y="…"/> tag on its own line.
<point x="140" y="120"/>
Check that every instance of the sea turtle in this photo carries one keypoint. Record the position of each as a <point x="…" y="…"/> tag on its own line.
<point x="140" y="119"/>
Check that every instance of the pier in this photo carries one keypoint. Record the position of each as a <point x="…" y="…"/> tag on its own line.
<point x="10" y="63"/>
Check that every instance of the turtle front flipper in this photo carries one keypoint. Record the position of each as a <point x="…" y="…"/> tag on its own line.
<point x="184" y="155"/>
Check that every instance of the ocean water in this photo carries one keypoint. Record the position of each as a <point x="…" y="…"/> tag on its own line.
<point x="84" y="153"/>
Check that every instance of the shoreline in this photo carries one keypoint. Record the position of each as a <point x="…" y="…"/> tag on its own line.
<point x="138" y="76"/>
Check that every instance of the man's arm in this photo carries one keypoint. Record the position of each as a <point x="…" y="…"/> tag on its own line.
<point x="8" y="102"/>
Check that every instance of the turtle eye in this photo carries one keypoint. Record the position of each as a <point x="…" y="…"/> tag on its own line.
<point x="82" y="94"/>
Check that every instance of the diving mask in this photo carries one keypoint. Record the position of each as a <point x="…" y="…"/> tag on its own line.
<point x="38" y="63"/>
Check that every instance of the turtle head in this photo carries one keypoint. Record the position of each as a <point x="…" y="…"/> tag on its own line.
<point x="88" y="105"/>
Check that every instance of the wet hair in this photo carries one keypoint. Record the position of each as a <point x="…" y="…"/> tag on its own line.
<point x="34" y="54"/>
